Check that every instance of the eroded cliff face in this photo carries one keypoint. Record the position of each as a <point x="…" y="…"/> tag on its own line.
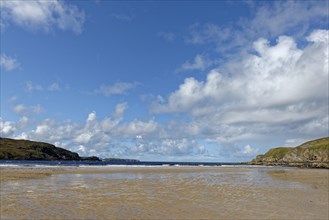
<point x="314" y="153"/>
<point x="309" y="155"/>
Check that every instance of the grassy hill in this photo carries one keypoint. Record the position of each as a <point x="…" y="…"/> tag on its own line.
<point x="313" y="153"/>
<point x="11" y="149"/>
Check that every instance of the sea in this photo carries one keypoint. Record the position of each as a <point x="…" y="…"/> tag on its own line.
<point x="110" y="163"/>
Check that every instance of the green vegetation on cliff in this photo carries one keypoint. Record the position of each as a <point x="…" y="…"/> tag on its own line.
<point x="313" y="153"/>
<point x="11" y="149"/>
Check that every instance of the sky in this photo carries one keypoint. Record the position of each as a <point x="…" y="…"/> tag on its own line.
<point x="215" y="81"/>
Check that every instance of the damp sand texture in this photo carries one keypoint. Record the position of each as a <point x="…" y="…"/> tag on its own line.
<point x="163" y="193"/>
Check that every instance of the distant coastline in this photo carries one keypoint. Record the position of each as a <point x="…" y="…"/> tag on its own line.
<point x="12" y="149"/>
<point x="26" y="152"/>
<point x="311" y="154"/>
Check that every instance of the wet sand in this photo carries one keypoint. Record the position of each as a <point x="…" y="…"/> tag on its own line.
<point x="163" y="193"/>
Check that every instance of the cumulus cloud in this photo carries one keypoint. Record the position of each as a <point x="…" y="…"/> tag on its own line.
<point x="93" y="135"/>
<point x="137" y="127"/>
<point x="44" y="15"/>
<point x="7" y="128"/>
<point x="277" y="75"/>
<point x="168" y="146"/>
<point x="8" y="63"/>
<point x="276" y="87"/>
<point x="105" y="137"/>
<point x="119" y="88"/>
<point x="91" y="117"/>
<point x="249" y="151"/>
<point x="83" y="138"/>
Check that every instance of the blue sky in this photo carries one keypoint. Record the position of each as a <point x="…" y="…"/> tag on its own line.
<point x="165" y="80"/>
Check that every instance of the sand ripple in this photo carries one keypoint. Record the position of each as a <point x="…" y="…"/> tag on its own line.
<point x="164" y="193"/>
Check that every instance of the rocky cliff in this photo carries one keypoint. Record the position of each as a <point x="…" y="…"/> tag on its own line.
<point x="313" y="153"/>
<point x="11" y="149"/>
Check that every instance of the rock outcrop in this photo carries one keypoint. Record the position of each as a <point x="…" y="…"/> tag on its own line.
<point x="313" y="154"/>
<point x="11" y="149"/>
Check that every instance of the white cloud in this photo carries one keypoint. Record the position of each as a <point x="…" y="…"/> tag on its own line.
<point x="91" y="117"/>
<point x="114" y="137"/>
<point x="119" y="88"/>
<point x="42" y="129"/>
<point x="249" y="151"/>
<point x="100" y="136"/>
<point x="8" y="63"/>
<point x="201" y="62"/>
<point x="268" y="20"/>
<point x="49" y="130"/>
<point x="137" y="127"/>
<point x="279" y="88"/>
<point x="268" y="91"/>
<point x="318" y="36"/>
<point x="167" y="146"/>
<point x="83" y="138"/>
<point x="7" y="128"/>
<point x="278" y="75"/>
<point x="44" y="15"/>
<point x="81" y="149"/>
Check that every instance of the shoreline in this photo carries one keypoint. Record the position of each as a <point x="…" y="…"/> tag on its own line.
<point x="309" y="165"/>
<point x="26" y="172"/>
<point x="163" y="193"/>
<point x="18" y="172"/>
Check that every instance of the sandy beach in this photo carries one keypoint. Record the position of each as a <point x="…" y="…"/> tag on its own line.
<point x="163" y="193"/>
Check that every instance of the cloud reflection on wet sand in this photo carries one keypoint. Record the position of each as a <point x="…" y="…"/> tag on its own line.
<point x="164" y="193"/>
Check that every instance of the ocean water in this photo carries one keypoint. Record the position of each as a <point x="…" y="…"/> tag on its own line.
<point x="158" y="192"/>
<point x="105" y="163"/>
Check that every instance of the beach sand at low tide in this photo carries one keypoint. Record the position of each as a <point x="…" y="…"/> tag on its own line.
<point x="163" y="193"/>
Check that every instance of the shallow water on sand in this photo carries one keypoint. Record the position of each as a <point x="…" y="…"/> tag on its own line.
<point x="164" y="193"/>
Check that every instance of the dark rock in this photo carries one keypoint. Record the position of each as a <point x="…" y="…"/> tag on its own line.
<point x="93" y="158"/>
